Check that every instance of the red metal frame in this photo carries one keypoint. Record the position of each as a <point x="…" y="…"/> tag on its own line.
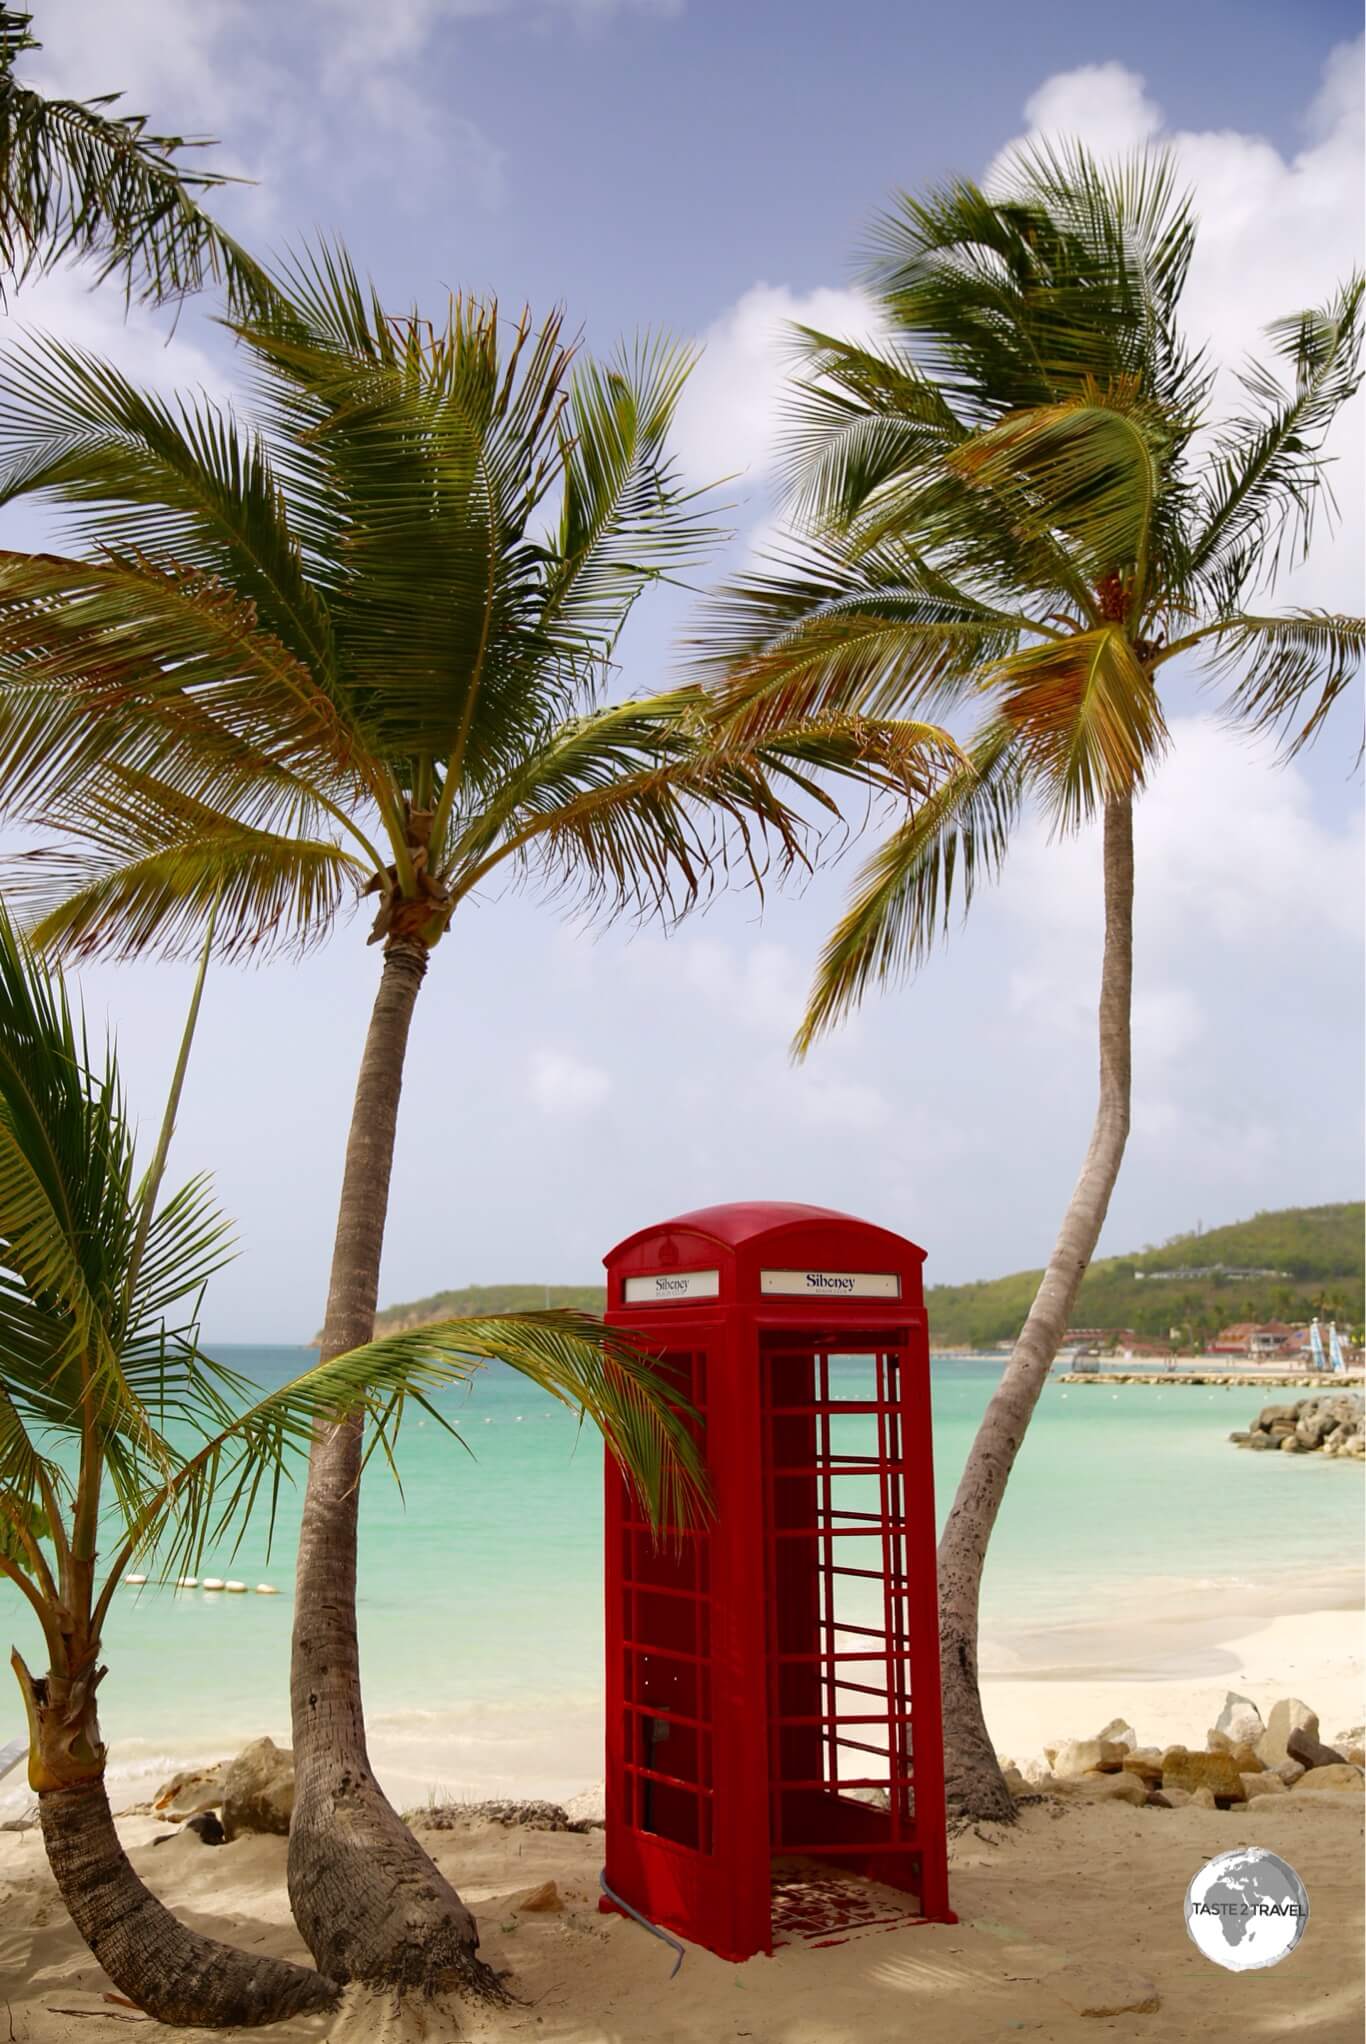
<point x="769" y="1672"/>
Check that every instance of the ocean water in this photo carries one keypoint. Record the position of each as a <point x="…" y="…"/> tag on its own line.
<point x="480" y="1602"/>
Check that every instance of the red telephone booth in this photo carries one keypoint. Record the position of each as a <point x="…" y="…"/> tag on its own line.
<point x="769" y="1673"/>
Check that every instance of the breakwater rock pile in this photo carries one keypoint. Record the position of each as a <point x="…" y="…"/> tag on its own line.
<point x="1244" y="1756"/>
<point x="1333" y="1424"/>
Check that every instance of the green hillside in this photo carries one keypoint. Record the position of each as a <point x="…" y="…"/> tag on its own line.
<point x="477" y="1299"/>
<point x="1319" y="1250"/>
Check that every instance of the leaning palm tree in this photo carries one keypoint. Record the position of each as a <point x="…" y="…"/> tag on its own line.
<point x="120" y="1441"/>
<point x="79" y="181"/>
<point x="361" y="644"/>
<point x="1013" y="507"/>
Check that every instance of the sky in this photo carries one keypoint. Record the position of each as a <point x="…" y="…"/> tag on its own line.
<point x="710" y="169"/>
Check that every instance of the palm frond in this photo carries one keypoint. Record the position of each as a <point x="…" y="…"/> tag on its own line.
<point x="1088" y="721"/>
<point x="1267" y="478"/>
<point x="860" y="416"/>
<point x="1090" y="468"/>
<point x="143" y="867"/>
<point x="587" y="1367"/>
<point x="634" y="807"/>
<point x="839" y="627"/>
<point x="179" y="483"/>
<point x="625" y="518"/>
<point x="930" y="865"/>
<point x="78" y="180"/>
<point x="1287" y="672"/>
<point x="120" y="664"/>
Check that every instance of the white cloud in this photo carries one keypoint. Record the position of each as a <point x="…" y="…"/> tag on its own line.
<point x="1228" y="850"/>
<point x="729" y="419"/>
<point x="760" y="987"/>
<point x="564" y="1085"/>
<point x="272" y="84"/>
<point x="146" y="346"/>
<point x="1103" y="105"/>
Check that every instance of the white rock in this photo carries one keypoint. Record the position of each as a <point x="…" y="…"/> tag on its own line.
<point x="1287" y="1716"/>
<point x="589" y="1806"/>
<point x="1088" y="1756"/>
<point x="1240" y="1721"/>
<point x="1120" y="1733"/>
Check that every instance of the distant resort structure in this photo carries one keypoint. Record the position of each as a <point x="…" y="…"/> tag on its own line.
<point x="1272" y="1342"/>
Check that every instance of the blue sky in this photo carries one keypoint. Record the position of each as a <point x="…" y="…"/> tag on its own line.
<point x="710" y="169"/>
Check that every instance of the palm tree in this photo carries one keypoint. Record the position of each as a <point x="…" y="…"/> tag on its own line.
<point x="360" y="644"/>
<point x="1013" y="506"/>
<point x="77" y="180"/>
<point x="114" y="1424"/>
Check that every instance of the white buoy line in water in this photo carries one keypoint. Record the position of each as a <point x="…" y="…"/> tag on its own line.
<point x="232" y="1588"/>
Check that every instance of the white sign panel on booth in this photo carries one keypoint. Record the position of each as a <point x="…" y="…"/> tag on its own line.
<point x="831" y="1284"/>
<point x="661" y="1287"/>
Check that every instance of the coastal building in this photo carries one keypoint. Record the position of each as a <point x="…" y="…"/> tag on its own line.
<point x="1260" y="1341"/>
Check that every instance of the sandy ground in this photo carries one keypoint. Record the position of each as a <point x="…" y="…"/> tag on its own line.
<point x="1073" y="1902"/>
<point x="1316" y="1655"/>
<point x="1076" y="1902"/>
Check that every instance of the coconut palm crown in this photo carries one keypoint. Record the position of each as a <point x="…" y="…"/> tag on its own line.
<point x="1013" y="504"/>
<point x="360" y="641"/>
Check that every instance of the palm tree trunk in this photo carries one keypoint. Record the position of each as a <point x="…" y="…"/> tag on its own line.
<point x="974" y="1782"/>
<point x="370" y="1903"/>
<point x="170" y="1971"/>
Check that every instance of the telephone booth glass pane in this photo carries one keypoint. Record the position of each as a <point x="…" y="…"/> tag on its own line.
<point x="666" y="1644"/>
<point x="839" y="1689"/>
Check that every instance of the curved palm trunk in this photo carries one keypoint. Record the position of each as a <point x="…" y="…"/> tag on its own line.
<point x="973" y="1778"/>
<point x="168" y="1970"/>
<point x="370" y="1903"/>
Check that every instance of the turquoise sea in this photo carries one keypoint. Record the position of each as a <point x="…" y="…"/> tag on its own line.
<point x="480" y="1587"/>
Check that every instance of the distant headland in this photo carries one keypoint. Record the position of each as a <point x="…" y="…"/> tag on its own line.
<point x="1282" y="1266"/>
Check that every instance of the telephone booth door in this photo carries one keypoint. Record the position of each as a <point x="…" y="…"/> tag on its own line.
<point x="847" y="1638"/>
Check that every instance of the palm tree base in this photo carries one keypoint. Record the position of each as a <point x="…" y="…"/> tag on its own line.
<point x="169" y="1971"/>
<point x="370" y="1903"/>
<point x="974" y="1787"/>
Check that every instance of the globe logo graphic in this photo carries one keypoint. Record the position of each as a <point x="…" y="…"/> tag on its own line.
<point x="1246" y="1909"/>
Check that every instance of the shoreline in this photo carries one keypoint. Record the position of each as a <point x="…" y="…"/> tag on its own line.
<point x="1164" y="1665"/>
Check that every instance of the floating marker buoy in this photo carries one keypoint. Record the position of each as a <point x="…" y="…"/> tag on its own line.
<point x="237" y="1588"/>
<point x="135" y="1579"/>
<point x="187" y="1582"/>
<point x="213" y="1583"/>
<point x="266" y="1590"/>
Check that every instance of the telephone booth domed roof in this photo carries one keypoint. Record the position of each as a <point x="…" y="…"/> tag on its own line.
<point x="743" y="1222"/>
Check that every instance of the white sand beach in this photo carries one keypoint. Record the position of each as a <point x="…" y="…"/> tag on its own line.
<point x="1078" y="1908"/>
